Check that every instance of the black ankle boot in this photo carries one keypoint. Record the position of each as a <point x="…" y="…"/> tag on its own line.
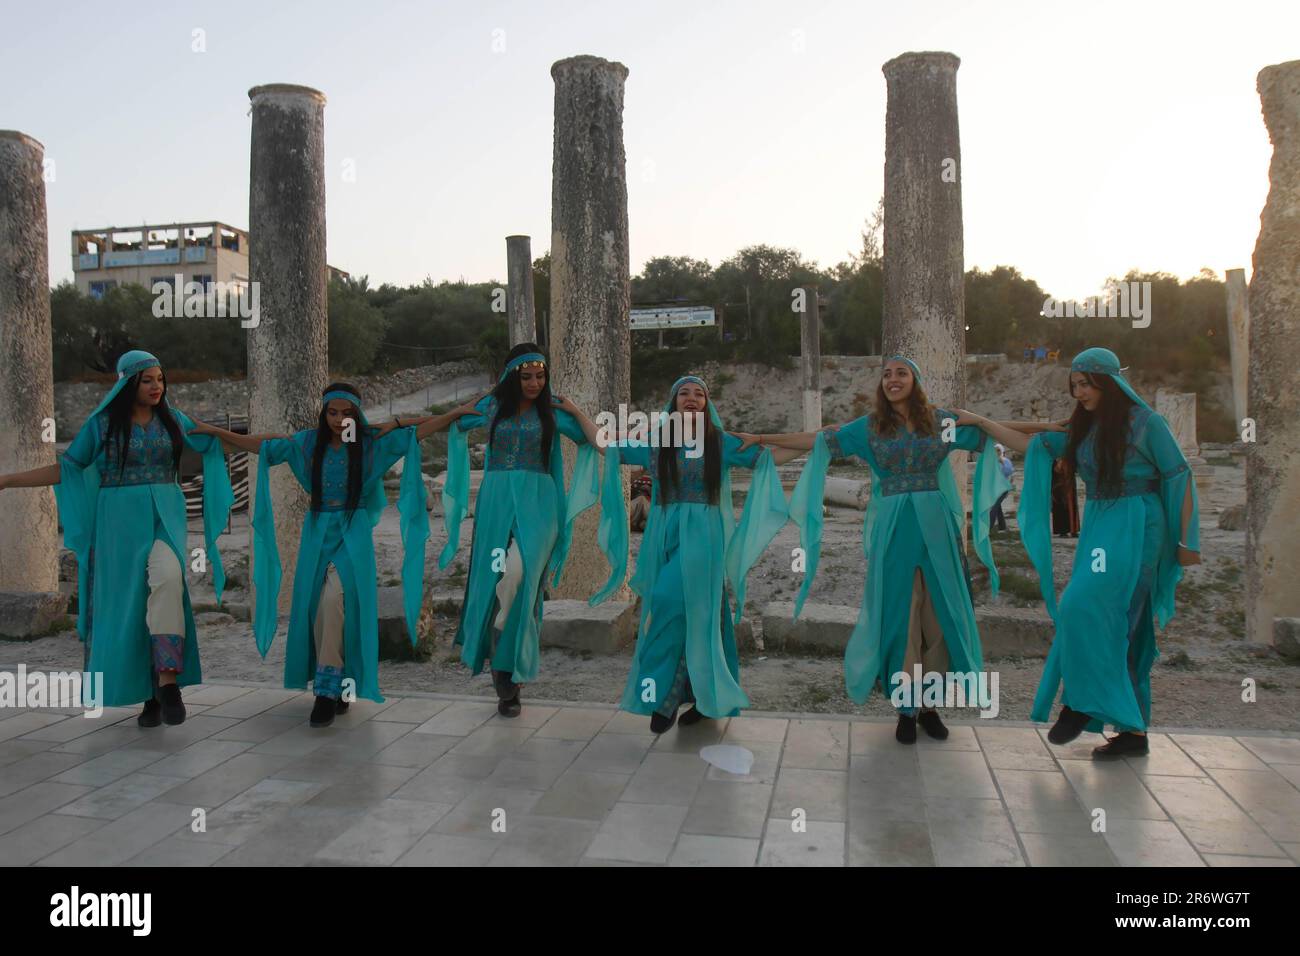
<point x="932" y="725"/>
<point x="1124" y="744"/>
<point x="511" y="707"/>
<point x="173" y="709"/>
<point x="692" y="716"/>
<point x="659" y="724"/>
<point x="322" y="714"/>
<point x="905" y="732"/>
<point x="340" y="706"/>
<point x="151" y="716"/>
<point x="1068" y="726"/>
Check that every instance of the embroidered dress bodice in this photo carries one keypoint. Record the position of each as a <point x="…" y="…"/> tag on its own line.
<point x="148" y="459"/>
<point x="517" y="444"/>
<point x="691" y="488"/>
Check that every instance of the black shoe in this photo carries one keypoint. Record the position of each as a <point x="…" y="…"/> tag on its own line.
<point x="1124" y="744"/>
<point x="692" y="716"/>
<point x="1069" y="725"/>
<point x="932" y="725"/>
<point x="340" y="706"/>
<point x="151" y="716"/>
<point x="659" y="724"/>
<point x="322" y="714"/>
<point x="905" y="732"/>
<point x="510" y="708"/>
<point x="173" y="709"/>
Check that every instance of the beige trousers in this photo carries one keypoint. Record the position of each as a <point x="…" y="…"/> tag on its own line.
<point x="329" y="621"/>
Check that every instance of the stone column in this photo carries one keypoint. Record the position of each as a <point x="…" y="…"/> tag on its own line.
<point x="590" y="340"/>
<point x="1179" y="410"/>
<point x="810" y="359"/>
<point x="288" y="348"/>
<point x="520" y="312"/>
<point x="29" y="540"/>
<point x="1238" y="341"/>
<point x="924" y="273"/>
<point x="1272" y="480"/>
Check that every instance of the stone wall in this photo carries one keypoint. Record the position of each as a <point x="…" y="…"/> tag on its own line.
<point x="214" y="399"/>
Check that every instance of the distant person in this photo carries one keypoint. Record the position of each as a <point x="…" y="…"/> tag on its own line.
<point x="1028" y="354"/>
<point x="1040" y="353"/>
<point x="642" y="484"/>
<point x="996" y="517"/>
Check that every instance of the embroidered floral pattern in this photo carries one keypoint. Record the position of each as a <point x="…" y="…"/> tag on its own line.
<point x="517" y="445"/>
<point x="168" y="653"/>
<point x="148" y="458"/>
<point x="690" y="476"/>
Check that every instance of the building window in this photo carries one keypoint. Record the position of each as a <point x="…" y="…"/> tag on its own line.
<point x="169" y="280"/>
<point x="203" y="282"/>
<point x="97" y="289"/>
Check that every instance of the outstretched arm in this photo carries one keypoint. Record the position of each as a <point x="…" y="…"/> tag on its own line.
<point x="797" y="441"/>
<point x="1008" y="436"/>
<point x="781" y="455"/>
<point x="233" y="441"/>
<point x="36" y="478"/>
<point x="589" y="428"/>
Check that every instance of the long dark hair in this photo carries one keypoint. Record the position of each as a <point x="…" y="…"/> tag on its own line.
<point x="324" y="434"/>
<point x="508" y="394"/>
<point x="120" y="412"/>
<point x="1112" y="421"/>
<point x="669" y="478"/>
<point x="887" y="421"/>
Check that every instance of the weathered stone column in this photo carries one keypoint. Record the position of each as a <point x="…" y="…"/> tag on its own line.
<point x="924" y="272"/>
<point x="1272" y="480"/>
<point x="520" y="312"/>
<point x="1238" y="341"/>
<point x="29" y="542"/>
<point x="590" y="271"/>
<point x="288" y="348"/>
<point x="810" y="359"/>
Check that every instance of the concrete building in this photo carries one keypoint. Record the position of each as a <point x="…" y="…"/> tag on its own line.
<point x="202" y="252"/>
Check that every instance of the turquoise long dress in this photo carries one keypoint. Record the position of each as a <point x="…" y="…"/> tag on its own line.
<point x="330" y="537"/>
<point x="914" y="520"/>
<point x="519" y="499"/>
<point x="1105" y="638"/>
<point x="690" y="549"/>
<point x="111" y="519"/>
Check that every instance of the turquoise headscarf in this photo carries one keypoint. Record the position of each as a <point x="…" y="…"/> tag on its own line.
<point x="1105" y="362"/>
<point x="519" y="360"/>
<point x="136" y="360"/>
<point x="916" y="372"/>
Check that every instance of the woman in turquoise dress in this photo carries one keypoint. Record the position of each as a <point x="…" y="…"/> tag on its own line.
<point x="522" y="520"/>
<point x="123" y="515"/>
<point x="1141" y="526"/>
<point x="917" y="613"/>
<point x="333" y="617"/>
<point x="691" y="548"/>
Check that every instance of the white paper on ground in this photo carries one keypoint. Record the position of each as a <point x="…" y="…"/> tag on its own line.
<point x="729" y="757"/>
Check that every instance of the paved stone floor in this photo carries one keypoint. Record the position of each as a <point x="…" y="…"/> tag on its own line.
<point x="422" y="780"/>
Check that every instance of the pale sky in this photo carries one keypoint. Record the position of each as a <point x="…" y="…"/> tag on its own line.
<point x="1096" y="137"/>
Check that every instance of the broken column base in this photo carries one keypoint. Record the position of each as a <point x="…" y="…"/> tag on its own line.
<point x="1286" y="637"/>
<point x="25" y="615"/>
<point x="1004" y="631"/>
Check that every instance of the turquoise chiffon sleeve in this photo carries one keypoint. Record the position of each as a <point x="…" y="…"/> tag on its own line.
<point x="218" y="496"/>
